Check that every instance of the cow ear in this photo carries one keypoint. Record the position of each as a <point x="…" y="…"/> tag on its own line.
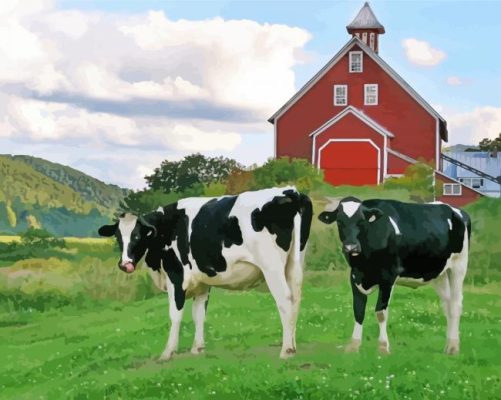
<point x="107" y="230"/>
<point x="328" y="217"/>
<point x="372" y="214"/>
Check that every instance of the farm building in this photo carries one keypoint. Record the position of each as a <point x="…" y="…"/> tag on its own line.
<point x="361" y="122"/>
<point x="480" y="170"/>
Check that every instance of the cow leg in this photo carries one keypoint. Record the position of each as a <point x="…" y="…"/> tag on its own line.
<point x="383" y="301"/>
<point x="275" y="279"/>
<point x="198" y="313"/>
<point x="456" y="278"/>
<point x="359" y="302"/>
<point x="294" y="276"/>
<point x="443" y="289"/>
<point x="176" y="308"/>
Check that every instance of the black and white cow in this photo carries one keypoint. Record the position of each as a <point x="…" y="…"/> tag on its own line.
<point x="232" y="242"/>
<point x="387" y="241"/>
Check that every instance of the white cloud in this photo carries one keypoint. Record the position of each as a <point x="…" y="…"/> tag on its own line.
<point x="239" y="64"/>
<point x="245" y="63"/>
<point x="454" y="81"/>
<point x="118" y="83"/>
<point x="48" y="121"/>
<point x="421" y="53"/>
<point x="472" y="126"/>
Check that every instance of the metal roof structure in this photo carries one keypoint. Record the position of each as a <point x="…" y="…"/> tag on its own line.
<point x="365" y="19"/>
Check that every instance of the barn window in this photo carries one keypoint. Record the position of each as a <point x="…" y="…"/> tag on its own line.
<point x="475" y="183"/>
<point x="371" y="94"/>
<point x="452" y="189"/>
<point x="340" y="95"/>
<point x="364" y="37"/>
<point x="372" y="40"/>
<point x="356" y="61"/>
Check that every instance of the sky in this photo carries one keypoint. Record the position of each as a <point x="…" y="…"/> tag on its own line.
<point x="112" y="88"/>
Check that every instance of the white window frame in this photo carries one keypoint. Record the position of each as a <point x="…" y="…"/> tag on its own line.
<point x="352" y="53"/>
<point x="336" y="102"/>
<point x="468" y="181"/>
<point x="357" y="35"/>
<point x="372" y="41"/>
<point x="366" y="87"/>
<point x="364" y="37"/>
<point x="448" y="189"/>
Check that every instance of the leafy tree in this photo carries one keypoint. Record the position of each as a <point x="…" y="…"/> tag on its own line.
<point x="40" y="238"/>
<point x="240" y="181"/>
<point x="11" y="215"/>
<point x="179" y="176"/>
<point x="148" y="200"/>
<point x="285" y="171"/>
<point x="487" y="144"/>
<point x="145" y="201"/>
<point x="214" y="189"/>
<point x="419" y="180"/>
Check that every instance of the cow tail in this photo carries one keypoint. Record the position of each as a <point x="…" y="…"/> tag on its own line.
<point x="306" y="214"/>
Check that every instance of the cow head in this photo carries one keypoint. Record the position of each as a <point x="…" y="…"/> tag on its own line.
<point x="353" y="221"/>
<point x="133" y="234"/>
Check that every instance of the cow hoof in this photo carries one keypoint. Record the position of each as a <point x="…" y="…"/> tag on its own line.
<point x="353" y="346"/>
<point x="452" y="347"/>
<point x="287" y="353"/>
<point x="166" y="356"/>
<point x="197" y="350"/>
<point x="384" y="348"/>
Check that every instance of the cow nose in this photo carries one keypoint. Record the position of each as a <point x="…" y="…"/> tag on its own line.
<point x="352" y="249"/>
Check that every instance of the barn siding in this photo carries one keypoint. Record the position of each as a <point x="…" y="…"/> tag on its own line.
<point x="414" y="128"/>
<point x="351" y="127"/>
<point x="468" y="195"/>
<point x="396" y="165"/>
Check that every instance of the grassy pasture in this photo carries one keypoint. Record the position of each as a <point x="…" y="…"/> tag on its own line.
<point x="78" y="328"/>
<point x="110" y="350"/>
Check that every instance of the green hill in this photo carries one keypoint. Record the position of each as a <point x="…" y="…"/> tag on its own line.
<point x="91" y="189"/>
<point x="58" y="199"/>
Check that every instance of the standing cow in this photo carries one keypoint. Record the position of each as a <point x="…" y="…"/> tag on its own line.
<point x="386" y="240"/>
<point x="232" y="242"/>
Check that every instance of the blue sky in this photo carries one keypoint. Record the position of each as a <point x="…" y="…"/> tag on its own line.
<point x="114" y="87"/>
<point x="461" y="28"/>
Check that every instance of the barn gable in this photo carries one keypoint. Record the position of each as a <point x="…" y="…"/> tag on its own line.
<point x="348" y="111"/>
<point x="351" y="147"/>
<point x="355" y="41"/>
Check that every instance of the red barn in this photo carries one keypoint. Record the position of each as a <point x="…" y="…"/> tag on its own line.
<point x="360" y="122"/>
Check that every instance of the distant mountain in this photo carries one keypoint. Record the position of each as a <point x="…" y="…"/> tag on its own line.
<point x="66" y="202"/>
<point x="461" y="148"/>
<point x="90" y="188"/>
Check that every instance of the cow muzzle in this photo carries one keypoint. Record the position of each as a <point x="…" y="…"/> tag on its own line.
<point x="128" y="267"/>
<point x="352" y="249"/>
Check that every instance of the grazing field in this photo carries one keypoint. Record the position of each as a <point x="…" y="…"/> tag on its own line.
<point x="110" y="351"/>
<point x="72" y="326"/>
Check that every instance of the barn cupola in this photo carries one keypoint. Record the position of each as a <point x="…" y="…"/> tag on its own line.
<point x="366" y="27"/>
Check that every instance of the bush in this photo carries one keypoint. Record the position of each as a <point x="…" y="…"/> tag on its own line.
<point x="40" y="238"/>
<point x="42" y="284"/>
<point x="33" y="243"/>
<point x="485" y="253"/>
<point x="285" y="171"/>
<point x="418" y="180"/>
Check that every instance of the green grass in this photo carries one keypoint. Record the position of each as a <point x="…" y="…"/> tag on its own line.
<point x="110" y="351"/>
<point x="78" y="328"/>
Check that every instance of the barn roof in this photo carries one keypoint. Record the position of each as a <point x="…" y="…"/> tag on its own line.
<point x="378" y="60"/>
<point x="365" y="19"/>
<point x="360" y="115"/>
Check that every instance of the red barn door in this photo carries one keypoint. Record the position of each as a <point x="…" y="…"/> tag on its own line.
<point x="350" y="163"/>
